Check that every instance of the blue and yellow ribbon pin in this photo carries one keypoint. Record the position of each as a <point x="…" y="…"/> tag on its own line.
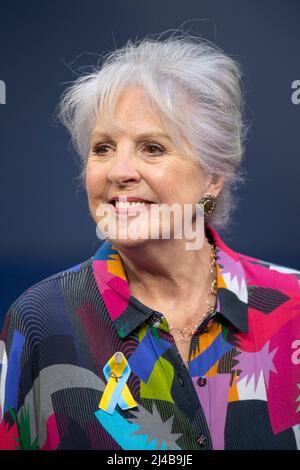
<point x="116" y="392"/>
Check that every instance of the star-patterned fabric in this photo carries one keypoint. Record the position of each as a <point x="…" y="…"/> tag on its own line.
<point x="241" y="389"/>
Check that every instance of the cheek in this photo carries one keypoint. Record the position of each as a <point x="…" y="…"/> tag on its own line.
<point x="195" y="181"/>
<point x="95" y="182"/>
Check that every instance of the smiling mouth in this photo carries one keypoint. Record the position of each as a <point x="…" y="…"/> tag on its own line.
<point x="129" y="204"/>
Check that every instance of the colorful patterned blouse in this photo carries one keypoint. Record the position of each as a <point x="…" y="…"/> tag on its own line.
<point x="85" y="365"/>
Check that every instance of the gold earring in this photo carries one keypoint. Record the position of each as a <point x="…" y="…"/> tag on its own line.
<point x="209" y="203"/>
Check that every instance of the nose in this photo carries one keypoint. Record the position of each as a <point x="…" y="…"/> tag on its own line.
<point x="123" y="170"/>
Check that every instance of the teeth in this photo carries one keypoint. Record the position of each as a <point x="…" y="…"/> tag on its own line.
<point x="125" y="205"/>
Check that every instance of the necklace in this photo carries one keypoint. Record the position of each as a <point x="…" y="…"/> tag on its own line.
<point x="184" y="334"/>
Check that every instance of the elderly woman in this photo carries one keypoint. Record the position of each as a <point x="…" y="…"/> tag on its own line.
<point x="153" y="344"/>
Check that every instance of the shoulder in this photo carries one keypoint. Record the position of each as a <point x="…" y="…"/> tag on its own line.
<point x="269" y="275"/>
<point x="45" y="308"/>
<point x="45" y="290"/>
<point x="256" y="272"/>
<point x="273" y="306"/>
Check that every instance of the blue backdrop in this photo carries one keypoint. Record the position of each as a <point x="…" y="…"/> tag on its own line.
<point x="45" y="224"/>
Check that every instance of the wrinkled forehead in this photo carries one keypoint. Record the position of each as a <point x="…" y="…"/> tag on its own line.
<point x="154" y="123"/>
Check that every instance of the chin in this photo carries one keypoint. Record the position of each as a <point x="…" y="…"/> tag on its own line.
<point x="128" y="242"/>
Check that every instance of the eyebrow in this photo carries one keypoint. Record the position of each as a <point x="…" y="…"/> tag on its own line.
<point x="138" y="138"/>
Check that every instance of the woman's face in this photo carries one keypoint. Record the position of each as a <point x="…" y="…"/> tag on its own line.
<point x="137" y="159"/>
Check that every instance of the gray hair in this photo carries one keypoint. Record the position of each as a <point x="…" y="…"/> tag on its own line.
<point x="196" y="90"/>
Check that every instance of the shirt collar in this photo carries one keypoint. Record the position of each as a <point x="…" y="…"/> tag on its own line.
<point x="127" y="312"/>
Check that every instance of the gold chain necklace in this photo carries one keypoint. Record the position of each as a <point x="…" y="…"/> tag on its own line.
<point x="184" y="334"/>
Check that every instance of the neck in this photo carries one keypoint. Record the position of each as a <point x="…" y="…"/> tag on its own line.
<point x="164" y="270"/>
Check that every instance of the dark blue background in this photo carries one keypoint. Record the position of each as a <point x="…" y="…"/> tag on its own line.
<point x="45" y="224"/>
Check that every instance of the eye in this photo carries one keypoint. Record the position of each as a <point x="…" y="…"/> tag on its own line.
<point x="101" y="149"/>
<point x="154" y="149"/>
